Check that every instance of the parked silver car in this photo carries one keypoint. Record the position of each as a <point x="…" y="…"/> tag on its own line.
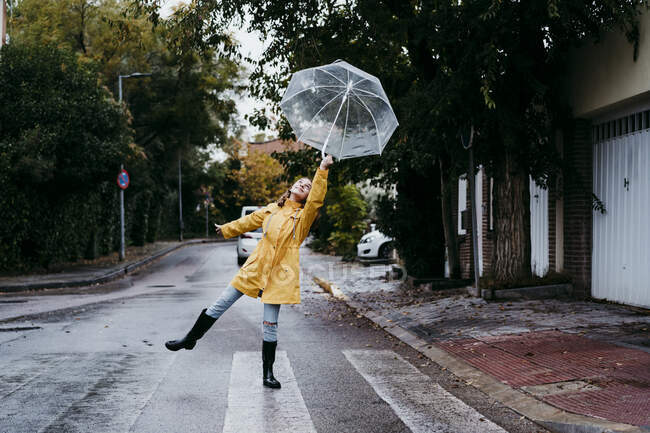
<point x="375" y="245"/>
<point x="247" y="242"/>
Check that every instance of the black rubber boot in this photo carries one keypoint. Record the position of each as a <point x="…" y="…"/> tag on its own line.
<point x="268" y="358"/>
<point x="203" y="323"/>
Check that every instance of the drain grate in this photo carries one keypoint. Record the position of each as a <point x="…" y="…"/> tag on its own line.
<point x="161" y="285"/>
<point x="16" y="301"/>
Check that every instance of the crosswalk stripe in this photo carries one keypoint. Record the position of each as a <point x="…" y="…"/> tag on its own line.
<point x="423" y="405"/>
<point x="253" y="408"/>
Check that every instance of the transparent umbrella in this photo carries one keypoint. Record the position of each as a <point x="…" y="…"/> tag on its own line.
<point x="339" y="109"/>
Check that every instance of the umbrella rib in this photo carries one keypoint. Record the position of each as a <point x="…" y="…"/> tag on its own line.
<point x="309" y="88"/>
<point x="329" y="73"/>
<point x="373" y="95"/>
<point x="373" y="119"/>
<point x="333" y="124"/>
<point x="347" y="116"/>
<point x="360" y="81"/>
<point x="312" y="119"/>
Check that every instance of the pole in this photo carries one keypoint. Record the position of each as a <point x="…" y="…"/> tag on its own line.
<point x="119" y="86"/>
<point x="121" y="220"/>
<point x="180" y="202"/>
<point x="122" y="253"/>
<point x="472" y="187"/>
<point x="472" y="198"/>
<point x="207" y="234"/>
<point x="3" y="23"/>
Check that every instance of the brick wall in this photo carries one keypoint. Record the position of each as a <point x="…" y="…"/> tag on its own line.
<point x="577" y="205"/>
<point x="465" y="241"/>
<point x="576" y="200"/>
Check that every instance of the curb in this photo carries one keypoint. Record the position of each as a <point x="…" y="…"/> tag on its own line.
<point x="537" y="411"/>
<point x="533" y="292"/>
<point x="110" y="275"/>
<point x="332" y="289"/>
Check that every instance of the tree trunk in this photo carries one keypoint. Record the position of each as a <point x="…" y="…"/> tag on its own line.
<point x="511" y="220"/>
<point x="451" y="240"/>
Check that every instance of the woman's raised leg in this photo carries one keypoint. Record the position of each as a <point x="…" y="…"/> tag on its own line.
<point x="205" y="320"/>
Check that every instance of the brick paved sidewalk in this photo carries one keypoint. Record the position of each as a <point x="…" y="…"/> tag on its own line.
<point x="569" y="371"/>
<point x="585" y="358"/>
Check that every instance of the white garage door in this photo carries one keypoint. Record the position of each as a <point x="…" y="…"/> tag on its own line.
<point x="538" y="229"/>
<point x="621" y="236"/>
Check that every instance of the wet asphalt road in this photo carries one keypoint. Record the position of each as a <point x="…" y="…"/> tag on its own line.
<point x="96" y="363"/>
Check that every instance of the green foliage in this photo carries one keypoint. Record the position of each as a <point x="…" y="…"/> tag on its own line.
<point x="183" y="111"/>
<point x="414" y="221"/>
<point x="347" y="212"/>
<point x="496" y="65"/>
<point x="62" y="138"/>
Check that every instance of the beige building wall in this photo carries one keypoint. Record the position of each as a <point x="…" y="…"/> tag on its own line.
<point x="604" y="76"/>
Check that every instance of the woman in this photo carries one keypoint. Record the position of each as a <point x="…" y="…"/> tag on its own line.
<point x="272" y="270"/>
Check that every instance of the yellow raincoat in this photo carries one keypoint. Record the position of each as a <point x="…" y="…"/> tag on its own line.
<point x="274" y="266"/>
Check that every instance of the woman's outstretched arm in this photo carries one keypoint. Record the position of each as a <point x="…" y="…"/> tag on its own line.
<point x="314" y="199"/>
<point x="244" y="224"/>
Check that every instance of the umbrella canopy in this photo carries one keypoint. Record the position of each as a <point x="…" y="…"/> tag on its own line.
<point x="339" y="109"/>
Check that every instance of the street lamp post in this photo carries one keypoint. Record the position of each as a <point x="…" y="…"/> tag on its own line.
<point x="119" y="84"/>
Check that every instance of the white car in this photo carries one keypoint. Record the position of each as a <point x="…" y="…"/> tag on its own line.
<point x="247" y="242"/>
<point x="375" y="245"/>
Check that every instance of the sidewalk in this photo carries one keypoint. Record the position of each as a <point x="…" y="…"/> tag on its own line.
<point x="100" y="271"/>
<point x="570" y="366"/>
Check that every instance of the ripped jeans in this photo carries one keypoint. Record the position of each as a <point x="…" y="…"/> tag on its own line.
<point x="230" y="295"/>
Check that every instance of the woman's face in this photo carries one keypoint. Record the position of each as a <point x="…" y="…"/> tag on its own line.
<point x="300" y="189"/>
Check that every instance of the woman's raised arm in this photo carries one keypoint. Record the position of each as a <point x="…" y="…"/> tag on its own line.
<point x="315" y="198"/>
<point x="244" y="224"/>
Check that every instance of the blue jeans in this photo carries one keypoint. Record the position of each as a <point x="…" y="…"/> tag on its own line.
<point x="230" y="296"/>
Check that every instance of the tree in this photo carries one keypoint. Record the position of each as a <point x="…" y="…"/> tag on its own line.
<point x="62" y="139"/>
<point x="445" y="66"/>
<point x="257" y="180"/>
<point x="182" y="111"/>
<point x="347" y="211"/>
<point x="518" y="52"/>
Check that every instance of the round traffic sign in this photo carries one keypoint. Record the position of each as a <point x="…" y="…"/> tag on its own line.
<point x="123" y="179"/>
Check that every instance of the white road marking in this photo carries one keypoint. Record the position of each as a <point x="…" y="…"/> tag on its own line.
<point x="253" y="408"/>
<point x="423" y="405"/>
